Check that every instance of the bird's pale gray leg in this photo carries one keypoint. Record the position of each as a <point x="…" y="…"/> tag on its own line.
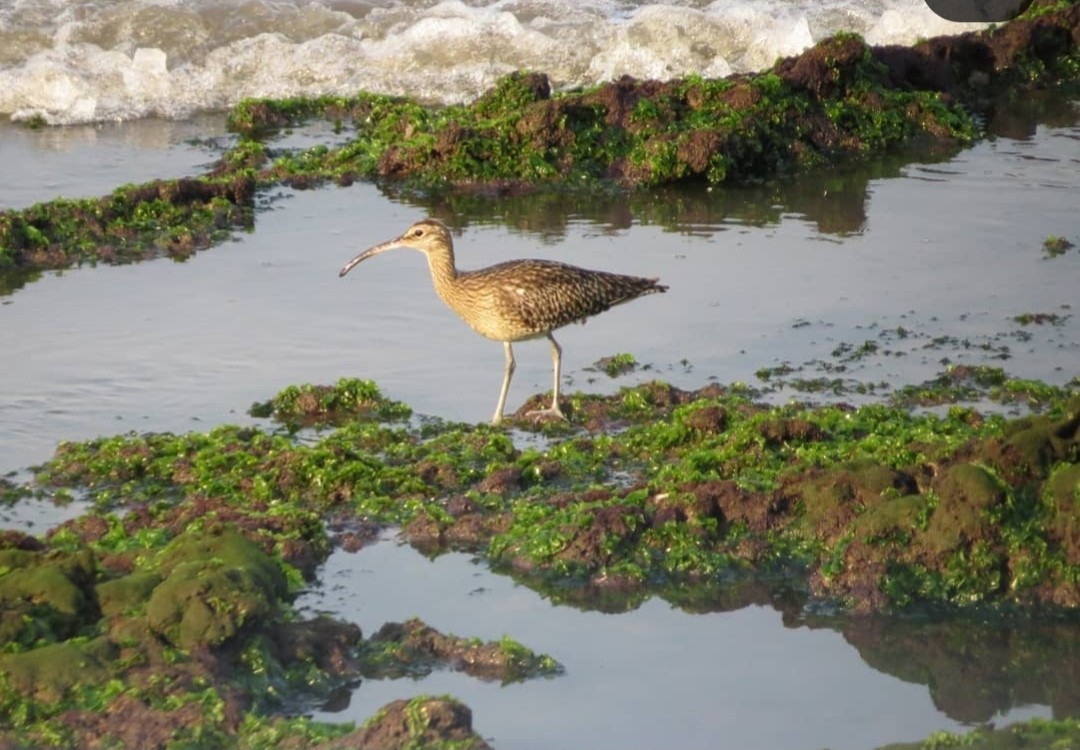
<point x="510" y="364"/>
<point x="556" y="361"/>
<point x="556" y="365"/>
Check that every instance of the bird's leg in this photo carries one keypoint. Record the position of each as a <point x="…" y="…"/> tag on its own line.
<point x="556" y="366"/>
<point x="506" y="383"/>
<point x="556" y="360"/>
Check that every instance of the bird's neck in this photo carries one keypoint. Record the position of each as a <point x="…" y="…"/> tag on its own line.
<point x="443" y="271"/>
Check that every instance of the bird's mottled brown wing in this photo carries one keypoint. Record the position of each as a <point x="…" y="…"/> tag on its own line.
<point x="545" y="295"/>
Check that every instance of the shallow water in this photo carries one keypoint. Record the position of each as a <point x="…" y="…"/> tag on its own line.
<point x="950" y="251"/>
<point x="947" y="248"/>
<point x="85" y="161"/>
<point x="658" y="676"/>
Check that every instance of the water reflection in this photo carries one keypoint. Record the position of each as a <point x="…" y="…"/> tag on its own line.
<point x="1019" y="119"/>
<point x="870" y="680"/>
<point x="14" y="279"/>
<point x="833" y="200"/>
<point x="976" y="670"/>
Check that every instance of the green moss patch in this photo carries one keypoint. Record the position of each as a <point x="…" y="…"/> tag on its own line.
<point x="415" y="649"/>
<point x="1035" y="734"/>
<point x="51" y="672"/>
<point x="211" y="588"/>
<point x="44" y="596"/>
<point x="164" y="217"/>
<point x="348" y="400"/>
<point x="881" y="507"/>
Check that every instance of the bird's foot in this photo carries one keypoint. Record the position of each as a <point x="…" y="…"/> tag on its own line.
<point x="552" y="412"/>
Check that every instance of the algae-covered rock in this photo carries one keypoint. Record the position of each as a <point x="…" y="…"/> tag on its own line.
<point x="47" y="593"/>
<point x="213" y="585"/>
<point x="49" y="672"/>
<point x="415" y="648"/>
<point x="120" y="595"/>
<point x="967" y="493"/>
<point x="324" y="641"/>
<point x="832" y="500"/>
<point x="163" y="217"/>
<point x="348" y="400"/>
<point x="423" y="722"/>
<point x="1030" y="439"/>
<point x="895" y="519"/>
<point x="1036" y="443"/>
<point x="1063" y="494"/>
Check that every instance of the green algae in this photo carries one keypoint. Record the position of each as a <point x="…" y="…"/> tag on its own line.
<point x="694" y="486"/>
<point x="127" y="594"/>
<point x="643" y="134"/>
<point x="651" y="491"/>
<point x="350" y="399"/>
<point x="960" y="383"/>
<point x="211" y="587"/>
<point x="217" y="531"/>
<point x="415" y="649"/>
<point x="171" y="217"/>
<point x="106" y="628"/>
<point x="616" y="364"/>
<point x="44" y="596"/>
<point x="1033" y="734"/>
<point x="1026" y="319"/>
<point x="1056" y="245"/>
<point x="50" y="673"/>
<point x="840" y="98"/>
<point x="435" y="722"/>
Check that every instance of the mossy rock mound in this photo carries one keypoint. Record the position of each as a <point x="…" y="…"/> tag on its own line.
<point x="415" y="648"/>
<point x="1063" y="496"/>
<point x="996" y="522"/>
<point x="50" y="672"/>
<point x="967" y="497"/>
<point x="832" y="499"/>
<point x="893" y="520"/>
<point x="212" y="587"/>
<point x="164" y="217"/>
<point x="1033" y="444"/>
<point x="348" y="400"/>
<point x="45" y="595"/>
<point x="124" y="594"/>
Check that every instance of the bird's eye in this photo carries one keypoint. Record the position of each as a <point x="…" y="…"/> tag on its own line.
<point x="418" y="233"/>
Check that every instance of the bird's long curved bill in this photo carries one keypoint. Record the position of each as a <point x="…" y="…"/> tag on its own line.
<point x="370" y="252"/>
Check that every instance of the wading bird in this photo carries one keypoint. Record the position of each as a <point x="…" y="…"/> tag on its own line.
<point x="517" y="300"/>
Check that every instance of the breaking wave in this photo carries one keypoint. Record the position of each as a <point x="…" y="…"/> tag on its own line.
<point x="73" y="61"/>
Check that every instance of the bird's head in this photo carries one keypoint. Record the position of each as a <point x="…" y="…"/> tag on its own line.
<point x="427" y="235"/>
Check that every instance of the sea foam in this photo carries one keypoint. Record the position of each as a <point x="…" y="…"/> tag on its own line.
<point x="89" y="60"/>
